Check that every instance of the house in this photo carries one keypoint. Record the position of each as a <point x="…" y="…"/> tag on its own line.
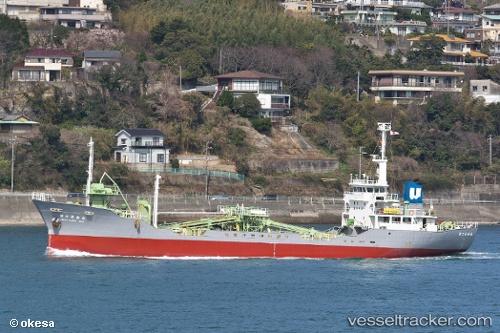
<point x="457" y="51"/>
<point x="45" y="65"/>
<point x="94" y="60"/>
<point x="380" y="15"/>
<point x="76" y="17"/>
<point x="486" y="89"/>
<point x="141" y="147"/>
<point x="16" y="124"/>
<point x="455" y="18"/>
<point x="363" y="16"/>
<point x="491" y="28"/>
<point x="274" y="101"/>
<point x="405" y="86"/>
<point x="70" y="13"/>
<point x="403" y="28"/>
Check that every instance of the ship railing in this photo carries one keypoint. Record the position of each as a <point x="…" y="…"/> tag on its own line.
<point x="242" y="210"/>
<point x="466" y="225"/>
<point x="364" y="181"/>
<point x="420" y="212"/>
<point x="130" y="214"/>
<point x="42" y="196"/>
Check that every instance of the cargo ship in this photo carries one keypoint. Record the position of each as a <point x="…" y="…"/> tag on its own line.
<point x="375" y="224"/>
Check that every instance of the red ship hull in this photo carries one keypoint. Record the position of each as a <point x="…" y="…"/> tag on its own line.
<point x="137" y="247"/>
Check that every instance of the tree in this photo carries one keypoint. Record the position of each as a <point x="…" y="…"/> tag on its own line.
<point x="236" y="136"/>
<point x="262" y="125"/>
<point x="60" y="33"/>
<point x="428" y="50"/>
<point x="442" y="111"/>
<point x="13" y="39"/>
<point x="226" y="98"/>
<point x="247" y="106"/>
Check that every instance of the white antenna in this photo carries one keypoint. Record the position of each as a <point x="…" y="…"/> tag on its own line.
<point x="90" y="171"/>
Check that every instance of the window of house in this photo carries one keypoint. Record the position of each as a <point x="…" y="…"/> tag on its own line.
<point x="156" y="140"/>
<point x="485" y="88"/>
<point x="474" y="88"/>
<point x="269" y="85"/>
<point x="160" y="158"/>
<point x="245" y="85"/>
<point x="124" y="141"/>
<point x="24" y="75"/>
<point x="143" y="158"/>
<point x="64" y="61"/>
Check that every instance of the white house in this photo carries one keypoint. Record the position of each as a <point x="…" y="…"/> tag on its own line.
<point x="45" y="65"/>
<point x="269" y="90"/>
<point x="141" y="147"/>
<point x="69" y="13"/>
<point x="486" y="89"/>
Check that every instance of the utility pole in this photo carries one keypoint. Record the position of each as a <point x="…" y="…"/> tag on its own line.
<point x="180" y="78"/>
<point x="489" y="139"/>
<point x="13" y="158"/>
<point x="360" y="154"/>
<point x="357" y="90"/>
<point x="207" y="147"/>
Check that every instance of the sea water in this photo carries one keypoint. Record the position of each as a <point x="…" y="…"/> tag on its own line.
<point x="77" y="293"/>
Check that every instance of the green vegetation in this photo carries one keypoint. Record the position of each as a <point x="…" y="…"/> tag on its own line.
<point x="166" y="41"/>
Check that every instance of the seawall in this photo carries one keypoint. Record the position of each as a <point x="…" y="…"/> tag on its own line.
<point x="17" y="208"/>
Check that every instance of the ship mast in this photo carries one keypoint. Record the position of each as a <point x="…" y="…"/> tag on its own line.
<point x="90" y="171"/>
<point x="381" y="160"/>
<point x="155" y="198"/>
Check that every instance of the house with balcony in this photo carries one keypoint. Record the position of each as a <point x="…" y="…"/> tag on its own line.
<point x="45" y="65"/>
<point x="455" y="18"/>
<point x="70" y="13"/>
<point x="317" y="8"/>
<point x="269" y="90"/>
<point x="141" y="148"/>
<point x="76" y="17"/>
<point x="491" y="29"/>
<point x="458" y="51"/>
<point x="405" y="86"/>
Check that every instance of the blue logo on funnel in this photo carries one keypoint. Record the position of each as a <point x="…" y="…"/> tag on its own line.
<point x="413" y="192"/>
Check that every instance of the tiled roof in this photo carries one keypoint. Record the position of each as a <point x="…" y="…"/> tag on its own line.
<point x="102" y="54"/>
<point x="142" y="132"/>
<point x="16" y="119"/>
<point x="248" y="74"/>
<point x="445" y="37"/>
<point x="456" y="10"/>
<point x="49" y="53"/>
<point x="491" y="17"/>
<point x="411" y="72"/>
<point x="495" y="6"/>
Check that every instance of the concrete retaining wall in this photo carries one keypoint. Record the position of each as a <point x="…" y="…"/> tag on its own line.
<point x="18" y="208"/>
